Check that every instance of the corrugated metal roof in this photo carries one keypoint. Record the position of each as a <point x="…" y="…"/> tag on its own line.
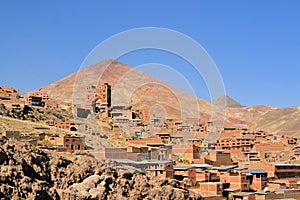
<point x="202" y="165"/>
<point x="257" y="171"/>
<point x="225" y="167"/>
<point x="182" y="167"/>
<point x="231" y="189"/>
<point x="285" y="165"/>
<point x="124" y="161"/>
<point x="242" y="194"/>
<point x="239" y="168"/>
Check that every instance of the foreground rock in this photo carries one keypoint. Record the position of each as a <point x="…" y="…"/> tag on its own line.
<point x="30" y="173"/>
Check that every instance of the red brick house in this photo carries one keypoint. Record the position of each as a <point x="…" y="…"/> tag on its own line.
<point x="9" y="92"/>
<point x="186" y="175"/>
<point x="71" y="142"/>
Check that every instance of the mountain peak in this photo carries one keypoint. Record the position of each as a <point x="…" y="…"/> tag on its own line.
<point x="230" y="102"/>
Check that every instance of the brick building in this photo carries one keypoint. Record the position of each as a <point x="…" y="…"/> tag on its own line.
<point x="39" y="93"/>
<point x="186" y="174"/>
<point x="219" y="158"/>
<point x="98" y="99"/>
<point x="121" y="111"/>
<point x="211" y="188"/>
<point x="163" y="169"/>
<point x="188" y="152"/>
<point x="13" y="104"/>
<point x="237" y="179"/>
<point x="244" y="196"/>
<point x="258" y="180"/>
<point x="71" y="142"/>
<point x="62" y="124"/>
<point x="9" y="92"/>
<point x="165" y="137"/>
<point x="272" y="152"/>
<point x="35" y="101"/>
<point x="242" y="143"/>
<point x="282" y="170"/>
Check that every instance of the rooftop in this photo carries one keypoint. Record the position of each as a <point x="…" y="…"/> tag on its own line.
<point x="156" y="162"/>
<point x="231" y="189"/>
<point x="242" y="194"/>
<point x="225" y="168"/>
<point x="257" y="171"/>
<point x="182" y="168"/>
<point x="285" y="165"/>
<point x="202" y="165"/>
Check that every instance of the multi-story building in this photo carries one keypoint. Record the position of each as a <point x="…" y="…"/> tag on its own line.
<point x="282" y="170"/>
<point x="158" y="168"/>
<point x="219" y="158"/>
<point x="98" y="99"/>
<point x="186" y="174"/>
<point x="9" y="92"/>
<point x="62" y="124"/>
<point x="254" y="134"/>
<point x="187" y="152"/>
<point x="243" y="143"/>
<point x="36" y="101"/>
<point x="45" y="97"/>
<point x="258" y="180"/>
<point x="237" y="179"/>
<point x="162" y="168"/>
<point x="13" y="104"/>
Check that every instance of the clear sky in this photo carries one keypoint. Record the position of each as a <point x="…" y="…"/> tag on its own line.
<point x="255" y="44"/>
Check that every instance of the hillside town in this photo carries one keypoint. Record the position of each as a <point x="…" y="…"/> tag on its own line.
<point x="242" y="163"/>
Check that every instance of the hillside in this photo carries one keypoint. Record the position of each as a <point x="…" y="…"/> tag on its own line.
<point x="229" y="102"/>
<point x="130" y="86"/>
<point x="276" y="120"/>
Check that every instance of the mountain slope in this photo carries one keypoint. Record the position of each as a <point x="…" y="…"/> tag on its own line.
<point x="229" y="102"/>
<point x="128" y="86"/>
<point x="144" y="92"/>
<point x="274" y="120"/>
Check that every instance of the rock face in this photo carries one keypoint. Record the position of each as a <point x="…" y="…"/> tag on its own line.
<point x="30" y="173"/>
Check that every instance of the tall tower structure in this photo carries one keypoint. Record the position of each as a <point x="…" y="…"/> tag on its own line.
<point x="98" y="98"/>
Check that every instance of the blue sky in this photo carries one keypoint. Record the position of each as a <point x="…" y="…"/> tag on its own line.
<point x="255" y="44"/>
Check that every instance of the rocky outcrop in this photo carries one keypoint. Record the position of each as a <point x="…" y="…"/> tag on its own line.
<point x="29" y="173"/>
<point x="36" y="114"/>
